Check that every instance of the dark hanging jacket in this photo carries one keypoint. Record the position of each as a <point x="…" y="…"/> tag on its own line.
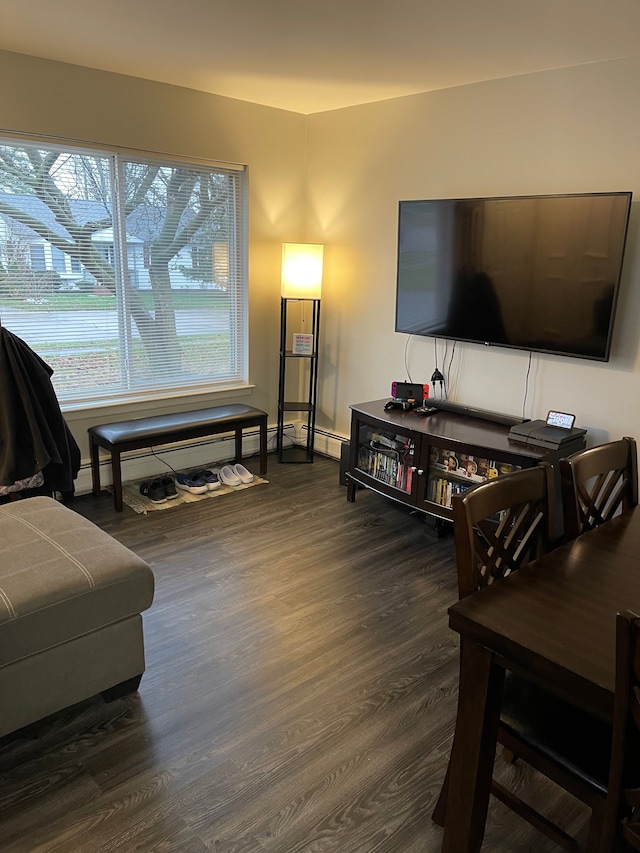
<point x="34" y="435"/>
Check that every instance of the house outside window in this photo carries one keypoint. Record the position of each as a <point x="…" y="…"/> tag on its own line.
<point x="97" y="272"/>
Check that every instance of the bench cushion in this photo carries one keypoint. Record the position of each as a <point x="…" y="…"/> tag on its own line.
<point x="61" y="576"/>
<point x="175" y="423"/>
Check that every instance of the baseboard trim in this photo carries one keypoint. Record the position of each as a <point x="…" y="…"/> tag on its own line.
<point x="326" y="443"/>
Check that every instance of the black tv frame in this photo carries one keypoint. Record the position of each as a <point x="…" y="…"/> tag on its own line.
<point x="601" y="342"/>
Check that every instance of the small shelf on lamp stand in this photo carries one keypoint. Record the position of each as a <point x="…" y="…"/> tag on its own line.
<point x="301" y="283"/>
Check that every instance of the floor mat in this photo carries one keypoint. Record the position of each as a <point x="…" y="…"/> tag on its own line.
<point x="138" y="503"/>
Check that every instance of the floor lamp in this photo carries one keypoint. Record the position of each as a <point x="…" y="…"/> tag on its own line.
<point x="301" y="287"/>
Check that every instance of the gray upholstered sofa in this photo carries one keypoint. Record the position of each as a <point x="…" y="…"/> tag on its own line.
<point x="71" y="599"/>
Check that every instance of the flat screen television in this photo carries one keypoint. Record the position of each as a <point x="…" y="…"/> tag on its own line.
<point x="538" y="273"/>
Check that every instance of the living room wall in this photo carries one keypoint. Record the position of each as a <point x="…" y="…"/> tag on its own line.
<point x="59" y="100"/>
<point x="573" y="130"/>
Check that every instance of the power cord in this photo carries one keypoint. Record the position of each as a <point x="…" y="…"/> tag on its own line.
<point x="526" y="386"/>
<point x="447" y="382"/>
<point x="406" y="365"/>
<point x="436" y="376"/>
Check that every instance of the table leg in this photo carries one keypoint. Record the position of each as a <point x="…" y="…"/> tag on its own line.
<point x="473" y="751"/>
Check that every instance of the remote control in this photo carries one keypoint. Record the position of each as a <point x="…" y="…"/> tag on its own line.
<point x="426" y="410"/>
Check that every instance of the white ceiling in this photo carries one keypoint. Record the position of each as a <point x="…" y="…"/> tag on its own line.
<point x="314" y="56"/>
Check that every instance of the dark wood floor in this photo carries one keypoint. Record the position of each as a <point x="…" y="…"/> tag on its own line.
<point x="299" y="696"/>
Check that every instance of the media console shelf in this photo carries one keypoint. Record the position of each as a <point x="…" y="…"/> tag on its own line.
<point x="423" y="461"/>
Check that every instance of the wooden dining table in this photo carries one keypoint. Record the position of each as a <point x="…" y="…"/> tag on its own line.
<point x="552" y="621"/>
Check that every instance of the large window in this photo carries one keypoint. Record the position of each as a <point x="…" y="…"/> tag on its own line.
<point x="126" y="274"/>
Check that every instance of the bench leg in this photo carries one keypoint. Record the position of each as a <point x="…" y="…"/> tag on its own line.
<point x="95" y="468"/>
<point x="238" y="438"/>
<point x="263" y="447"/>
<point x="116" y="475"/>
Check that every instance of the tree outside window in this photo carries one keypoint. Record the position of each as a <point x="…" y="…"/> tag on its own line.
<point x="127" y="275"/>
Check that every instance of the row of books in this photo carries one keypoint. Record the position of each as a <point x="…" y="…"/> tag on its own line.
<point x="386" y="466"/>
<point x="442" y="490"/>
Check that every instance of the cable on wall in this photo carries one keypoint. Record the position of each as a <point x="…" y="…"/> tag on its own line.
<point x="526" y="384"/>
<point x="406" y="358"/>
<point x="448" y="370"/>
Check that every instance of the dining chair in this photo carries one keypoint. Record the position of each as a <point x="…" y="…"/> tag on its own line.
<point x="500" y="525"/>
<point x="597" y="484"/>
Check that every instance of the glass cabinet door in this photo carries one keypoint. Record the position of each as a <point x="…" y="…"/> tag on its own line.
<point x="451" y="473"/>
<point x="386" y="456"/>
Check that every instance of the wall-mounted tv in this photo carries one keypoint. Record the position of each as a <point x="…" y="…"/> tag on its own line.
<point x="537" y="273"/>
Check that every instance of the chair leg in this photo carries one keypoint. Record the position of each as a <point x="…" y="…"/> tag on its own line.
<point x="605" y="827"/>
<point x="594" y="838"/>
<point x="440" y="811"/>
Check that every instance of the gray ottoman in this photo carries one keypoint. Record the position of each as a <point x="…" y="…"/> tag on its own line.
<point x="70" y="603"/>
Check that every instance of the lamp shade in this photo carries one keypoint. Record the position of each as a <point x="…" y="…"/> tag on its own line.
<point x="301" y="270"/>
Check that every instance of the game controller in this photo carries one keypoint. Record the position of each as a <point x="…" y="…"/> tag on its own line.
<point x="405" y="405"/>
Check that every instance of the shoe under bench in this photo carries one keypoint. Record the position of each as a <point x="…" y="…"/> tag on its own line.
<point x="140" y="433"/>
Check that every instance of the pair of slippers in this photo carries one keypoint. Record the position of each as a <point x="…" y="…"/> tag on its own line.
<point x="235" y="475"/>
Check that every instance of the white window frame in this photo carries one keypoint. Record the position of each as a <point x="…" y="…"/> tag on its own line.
<point x="237" y="247"/>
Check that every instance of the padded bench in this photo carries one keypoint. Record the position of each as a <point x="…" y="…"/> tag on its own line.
<point x="71" y="599"/>
<point x="120" y="437"/>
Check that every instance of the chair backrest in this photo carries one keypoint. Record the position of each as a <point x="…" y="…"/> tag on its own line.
<point x="597" y="484"/>
<point x="623" y="798"/>
<point x="501" y="524"/>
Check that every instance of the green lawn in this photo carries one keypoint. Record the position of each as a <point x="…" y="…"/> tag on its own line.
<point x="99" y="366"/>
<point x="74" y="301"/>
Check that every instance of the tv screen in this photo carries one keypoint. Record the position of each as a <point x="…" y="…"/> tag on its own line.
<point x="531" y="272"/>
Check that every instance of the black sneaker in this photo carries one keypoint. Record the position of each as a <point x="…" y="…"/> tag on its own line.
<point x="169" y="487"/>
<point x="154" y="490"/>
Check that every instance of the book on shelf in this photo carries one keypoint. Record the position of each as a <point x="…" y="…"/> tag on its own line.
<point x="386" y="466"/>
<point x="443" y="490"/>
